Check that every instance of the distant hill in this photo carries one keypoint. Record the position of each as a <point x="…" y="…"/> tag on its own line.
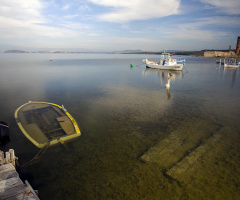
<point x="15" y="51"/>
<point x="129" y="51"/>
<point x="4" y="48"/>
<point x="7" y="47"/>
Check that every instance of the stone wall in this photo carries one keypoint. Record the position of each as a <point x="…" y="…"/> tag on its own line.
<point x="214" y="54"/>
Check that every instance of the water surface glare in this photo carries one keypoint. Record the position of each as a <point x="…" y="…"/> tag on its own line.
<point x="139" y="140"/>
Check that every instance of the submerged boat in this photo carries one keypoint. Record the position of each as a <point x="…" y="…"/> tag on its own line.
<point x="166" y="62"/>
<point x="46" y="123"/>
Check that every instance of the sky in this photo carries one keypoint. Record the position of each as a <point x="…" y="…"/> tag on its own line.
<point x="116" y="25"/>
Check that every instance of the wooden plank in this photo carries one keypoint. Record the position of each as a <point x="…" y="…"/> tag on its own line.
<point x="8" y="174"/>
<point x="12" y="192"/>
<point x="32" y="190"/>
<point x="22" y="196"/>
<point x="6" y="167"/>
<point x="12" y="182"/>
<point x="36" y="133"/>
<point x="11" y="186"/>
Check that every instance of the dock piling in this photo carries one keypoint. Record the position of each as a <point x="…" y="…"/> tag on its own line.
<point x="11" y="186"/>
<point x="8" y="158"/>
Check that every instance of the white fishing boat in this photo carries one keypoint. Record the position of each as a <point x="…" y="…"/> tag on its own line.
<point x="231" y="64"/>
<point x="166" y="62"/>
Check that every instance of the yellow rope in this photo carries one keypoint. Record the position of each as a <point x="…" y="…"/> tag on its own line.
<point x="37" y="156"/>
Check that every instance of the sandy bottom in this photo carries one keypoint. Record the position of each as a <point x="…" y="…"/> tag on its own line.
<point x="133" y="150"/>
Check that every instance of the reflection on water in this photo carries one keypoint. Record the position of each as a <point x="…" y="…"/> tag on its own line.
<point x="231" y="74"/>
<point x="165" y="77"/>
<point x="135" y="142"/>
<point x="168" y="85"/>
<point x="228" y="74"/>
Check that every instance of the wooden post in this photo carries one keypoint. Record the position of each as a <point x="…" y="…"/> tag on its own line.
<point x="1" y="158"/>
<point x="11" y="186"/>
<point x="7" y="155"/>
<point x="12" y="156"/>
<point x="2" y="154"/>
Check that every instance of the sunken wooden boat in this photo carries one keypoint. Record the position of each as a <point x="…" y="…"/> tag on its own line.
<point x="46" y="123"/>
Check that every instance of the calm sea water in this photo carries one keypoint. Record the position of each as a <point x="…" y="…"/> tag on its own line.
<point x="125" y="113"/>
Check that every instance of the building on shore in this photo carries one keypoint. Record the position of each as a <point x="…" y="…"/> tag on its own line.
<point x="219" y="54"/>
<point x="223" y="54"/>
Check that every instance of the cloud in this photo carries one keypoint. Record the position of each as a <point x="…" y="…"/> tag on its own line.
<point x="21" y="18"/>
<point x="71" y="16"/>
<point x="74" y="26"/>
<point x="11" y="28"/>
<point x="225" y="21"/>
<point x="229" y="7"/>
<point x="65" y="7"/>
<point x="128" y="10"/>
<point x="84" y="7"/>
<point x="25" y="19"/>
<point x="127" y="40"/>
<point x="22" y="10"/>
<point x="94" y="34"/>
<point x="197" y="31"/>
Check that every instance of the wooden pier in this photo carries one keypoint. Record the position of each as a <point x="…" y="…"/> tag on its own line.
<point x="11" y="186"/>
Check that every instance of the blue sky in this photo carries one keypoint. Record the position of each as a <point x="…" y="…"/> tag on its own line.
<point x="109" y="25"/>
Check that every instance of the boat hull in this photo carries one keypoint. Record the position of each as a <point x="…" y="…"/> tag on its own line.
<point x="46" y="123"/>
<point x="183" y="60"/>
<point x="176" y="67"/>
<point x="230" y="66"/>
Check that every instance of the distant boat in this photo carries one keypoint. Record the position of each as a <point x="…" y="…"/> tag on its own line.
<point x="181" y="59"/>
<point x="46" y="123"/>
<point x="166" y="62"/>
<point x="231" y="64"/>
<point x="220" y="62"/>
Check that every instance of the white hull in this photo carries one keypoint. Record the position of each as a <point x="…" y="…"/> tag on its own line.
<point x="183" y="60"/>
<point x="154" y="65"/>
<point x="230" y="66"/>
<point x="166" y="62"/>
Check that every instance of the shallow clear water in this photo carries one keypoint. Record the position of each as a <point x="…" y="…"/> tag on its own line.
<point x="125" y="114"/>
